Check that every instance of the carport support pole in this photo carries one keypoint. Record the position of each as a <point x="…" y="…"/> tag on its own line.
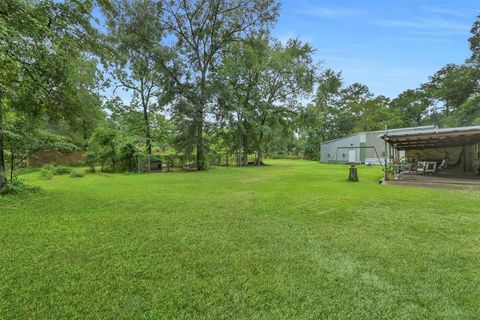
<point x="386" y="156"/>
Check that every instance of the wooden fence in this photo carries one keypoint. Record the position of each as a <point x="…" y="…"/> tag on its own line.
<point x="55" y="157"/>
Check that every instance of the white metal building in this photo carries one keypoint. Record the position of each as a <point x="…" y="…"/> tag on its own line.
<point x="363" y="147"/>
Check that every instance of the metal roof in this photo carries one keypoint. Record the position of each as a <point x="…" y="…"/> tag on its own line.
<point x="414" y="129"/>
<point x="433" y="138"/>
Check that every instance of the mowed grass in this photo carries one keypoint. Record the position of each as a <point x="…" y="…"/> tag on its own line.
<point x="292" y="240"/>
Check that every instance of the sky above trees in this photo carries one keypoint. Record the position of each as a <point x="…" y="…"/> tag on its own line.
<point x="388" y="45"/>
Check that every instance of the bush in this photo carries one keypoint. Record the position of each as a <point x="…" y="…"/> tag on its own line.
<point x="90" y="170"/>
<point x="48" y="171"/>
<point x="90" y="160"/>
<point x="60" y="170"/>
<point x="102" y="149"/>
<point x="126" y="156"/>
<point x="17" y="187"/>
<point x="77" y="174"/>
<point x="282" y="156"/>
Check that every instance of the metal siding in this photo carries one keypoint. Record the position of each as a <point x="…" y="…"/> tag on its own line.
<point x="330" y="147"/>
<point x="366" y="139"/>
<point x="374" y="140"/>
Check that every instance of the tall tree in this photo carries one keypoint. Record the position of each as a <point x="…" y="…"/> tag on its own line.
<point x="357" y="99"/>
<point x="413" y="106"/>
<point x="135" y="36"/>
<point x="201" y="31"/>
<point x="475" y="42"/>
<point x="452" y="85"/>
<point x="288" y="77"/>
<point x="266" y="81"/>
<point x="238" y="85"/>
<point x="87" y="83"/>
<point x="39" y="44"/>
<point x="326" y="104"/>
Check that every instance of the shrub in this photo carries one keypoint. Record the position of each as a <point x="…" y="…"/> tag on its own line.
<point x="170" y="161"/>
<point x="77" y="174"/>
<point x="90" y="160"/>
<point x="48" y="171"/>
<point x="90" y="170"/>
<point x="126" y="156"/>
<point x="17" y="187"/>
<point x="102" y="149"/>
<point x="282" y="156"/>
<point x="60" y="170"/>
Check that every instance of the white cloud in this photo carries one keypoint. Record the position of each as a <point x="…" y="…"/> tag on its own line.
<point x="423" y="24"/>
<point x="331" y="12"/>
<point x="422" y="39"/>
<point x="448" y="12"/>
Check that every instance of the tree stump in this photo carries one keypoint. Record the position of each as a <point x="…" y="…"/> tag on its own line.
<point x="353" y="175"/>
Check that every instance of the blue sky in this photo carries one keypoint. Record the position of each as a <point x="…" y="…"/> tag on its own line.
<point x="389" y="45"/>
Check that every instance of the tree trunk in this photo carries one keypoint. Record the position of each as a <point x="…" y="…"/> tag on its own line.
<point x="85" y="133"/>
<point x="148" y="133"/>
<point x="260" y="156"/>
<point x="260" y="142"/>
<point x="3" y="173"/>
<point x="200" y="158"/>
<point x="353" y="174"/>
<point x="114" y="161"/>
<point x="239" y="150"/>
<point x="260" y="149"/>
<point x="145" y="102"/>
<point x="245" y="150"/>
<point x="12" y="166"/>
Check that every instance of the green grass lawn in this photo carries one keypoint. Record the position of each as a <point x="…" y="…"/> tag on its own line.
<point x="289" y="240"/>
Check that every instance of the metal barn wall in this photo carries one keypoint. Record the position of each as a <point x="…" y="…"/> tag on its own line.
<point x="363" y="139"/>
<point x="374" y="140"/>
<point x="328" y="149"/>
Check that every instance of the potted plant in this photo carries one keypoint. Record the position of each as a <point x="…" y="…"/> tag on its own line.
<point x="392" y="169"/>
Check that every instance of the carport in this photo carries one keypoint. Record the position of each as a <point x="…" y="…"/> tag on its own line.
<point x="455" y="151"/>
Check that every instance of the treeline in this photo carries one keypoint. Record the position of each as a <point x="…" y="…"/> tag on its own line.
<point x="192" y="78"/>
<point x="450" y="98"/>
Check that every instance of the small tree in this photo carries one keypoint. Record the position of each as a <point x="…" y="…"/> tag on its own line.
<point x="109" y="149"/>
<point x="126" y="155"/>
<point x="22" y="142"/>
<point x="102" y="148"/>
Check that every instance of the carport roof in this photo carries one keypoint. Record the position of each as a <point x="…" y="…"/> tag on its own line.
<point x="433" y="138"/>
